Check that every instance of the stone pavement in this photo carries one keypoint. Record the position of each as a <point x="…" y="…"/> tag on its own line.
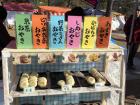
<point x="133" y="84"/>
<point x="133" y="79"/>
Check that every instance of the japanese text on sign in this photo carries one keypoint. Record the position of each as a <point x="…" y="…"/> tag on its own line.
<point x="104" y="30"/>
<point x="22" y="28"/>
<point x="40" y="31"/>
<point x="89" y="34"/>
<point x="23" y="31"/>
<point x="74" y="31"/>
<point x="57" y="32"/>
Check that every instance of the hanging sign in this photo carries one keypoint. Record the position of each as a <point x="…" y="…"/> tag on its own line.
<point x="74" y="31"/>
<point x="104" y="31"/>
<point x="39" y="27"/>
<point x="89" y="33"/>
<point x="57" y="35"/>
<point x="23" y="31"/>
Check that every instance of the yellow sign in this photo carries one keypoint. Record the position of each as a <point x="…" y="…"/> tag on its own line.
<point x="89" y="33"/>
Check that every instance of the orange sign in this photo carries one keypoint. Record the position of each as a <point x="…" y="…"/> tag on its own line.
<point x="40" y="33"/>
<point x="104" y="31"/>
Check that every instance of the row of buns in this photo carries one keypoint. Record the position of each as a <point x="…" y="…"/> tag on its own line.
<point x="71" y="57"/>
<point x="32" y="80"/>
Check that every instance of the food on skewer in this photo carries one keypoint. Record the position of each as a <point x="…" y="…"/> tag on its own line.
<point x="69" y="78"/>
<point x="97" y="75"/>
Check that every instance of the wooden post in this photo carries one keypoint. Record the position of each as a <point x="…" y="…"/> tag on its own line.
<point x="104" y="99"/>
<point x="109" y="7"/>
<point x="123" y="78"/>
<point x="5" y="56"/>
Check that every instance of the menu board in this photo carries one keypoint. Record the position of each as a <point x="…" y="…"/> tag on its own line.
<point x="74" y="31"/>
<point x="56" y="31"/>
<point x="40" y="33"/>
<point x="104" y="31"/>
<point x="89" y="32"/>
<point x="23" y="31"/>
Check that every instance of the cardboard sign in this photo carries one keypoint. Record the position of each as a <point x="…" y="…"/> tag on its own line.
<point x="89" y="33"/>
<point x="23" y="31"/>
<point x="39" y="27"/>
<point x="74" y="32"/>
<point x="104" y="31"/>
<point x="57" y="36"/>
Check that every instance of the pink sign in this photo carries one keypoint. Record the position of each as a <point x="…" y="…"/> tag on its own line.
<point x="74" y="32"/>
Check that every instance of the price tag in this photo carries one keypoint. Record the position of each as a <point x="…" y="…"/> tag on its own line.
<point x="99" y="85"/>
<point x="66" y="88"/>
<point x="28" y="90"/>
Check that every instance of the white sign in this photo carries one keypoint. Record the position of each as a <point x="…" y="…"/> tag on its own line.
<point x="99" y="85"/>
<point x="28" y="90"/>
<point x="66" y="88"/>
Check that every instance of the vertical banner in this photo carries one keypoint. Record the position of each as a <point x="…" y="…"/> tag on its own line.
<point x="39" y="27"/>
<point x="89" y="33"/>
<point x="57" y="35"/>
<point x="104" y="31"/>
<point x="23" y="31"/>
<point x="74" y="31"/>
